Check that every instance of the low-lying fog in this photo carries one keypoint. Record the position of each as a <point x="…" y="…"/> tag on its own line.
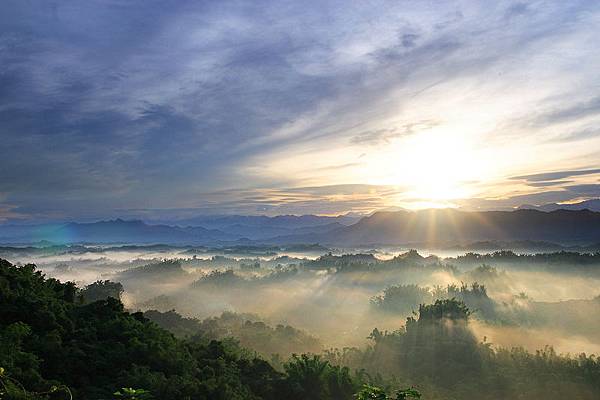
<point x="529" y="302"/>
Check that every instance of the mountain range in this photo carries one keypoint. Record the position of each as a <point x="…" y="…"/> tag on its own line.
<point x="208" y="230"/>
<point x="446" y="227"/>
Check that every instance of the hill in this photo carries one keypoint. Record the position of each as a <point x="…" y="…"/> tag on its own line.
<point x="444" y="226"/>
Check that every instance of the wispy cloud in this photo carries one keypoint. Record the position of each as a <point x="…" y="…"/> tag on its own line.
<point x="150" y="105"/>
<point x="379" y="136"/>
<point x="556" y="175"/>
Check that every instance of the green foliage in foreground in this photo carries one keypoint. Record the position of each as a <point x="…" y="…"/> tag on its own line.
<point x="54" y="345"/>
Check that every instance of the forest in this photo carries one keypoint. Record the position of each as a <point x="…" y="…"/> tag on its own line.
<point x="62" y="341"/>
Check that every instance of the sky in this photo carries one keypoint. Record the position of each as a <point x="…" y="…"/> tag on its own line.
<point x="161" y="109"/>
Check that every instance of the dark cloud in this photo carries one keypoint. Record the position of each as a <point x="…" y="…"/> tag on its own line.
<point x="567" y="193"/>
<point x="586" y="190"/>
<point x="554" y="176"/>
<point x="516" y="10"/>
<point x="409" y="39"/>
<point x="573" y="112"/>
<point x="548" y="183"/>
<point x="511" y="202"/>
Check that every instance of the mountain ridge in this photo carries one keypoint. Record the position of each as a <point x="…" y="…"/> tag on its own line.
<point x="446" y="225"/>
<point x="384" y="228"/>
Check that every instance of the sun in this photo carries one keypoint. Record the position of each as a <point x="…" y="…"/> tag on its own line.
<point x="437" y="167"/>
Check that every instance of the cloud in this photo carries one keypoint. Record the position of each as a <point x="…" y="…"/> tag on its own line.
<point x="577" y="111"/>
<point x="8" y="213"/>
<point x="151" y="105"/>
<point x="547" y="183"/>
<point x="586" y="190"/>
<point x="516" y="10"/>
<point x="583" y="133"/>
<point x="332" y="199"/>
<point x="554" y="176"/>
<point x="512" y="202"/>
<point x="409" y="39"/>
<point x="379" y="136"/>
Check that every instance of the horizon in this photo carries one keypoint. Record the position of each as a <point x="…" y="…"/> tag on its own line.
<point x="148" y="110"/>
<point x="353" y="216"/>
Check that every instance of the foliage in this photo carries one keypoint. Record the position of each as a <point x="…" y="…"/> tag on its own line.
<point x="369" y="392"/>
<point x="219" y="279"/>
<point x="438" y="352"/>
<point x="165" y="269"/>
<point x="311" y="377"/>
<point x="133" y="394"/>
<point x="49" y="339"/>
<point x="52" y="342"/>
<point x="559" y="261"/>
<point x="402" y="299"/>
<point x="249" y="330"/>
<point x="102" y="290"/>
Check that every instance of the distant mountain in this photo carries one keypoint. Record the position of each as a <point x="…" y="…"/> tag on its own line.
<point x="441" y="228"/>
<point x="288" y="222"/>
<point x="230" y="229"/>
<point x="445" y="226"/>
<point x="592" y="205"/>
<point x="114" y="231"/>
<point x="260" y="227"/>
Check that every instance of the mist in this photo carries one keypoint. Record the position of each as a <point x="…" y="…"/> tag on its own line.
<point x="330" y="296"/>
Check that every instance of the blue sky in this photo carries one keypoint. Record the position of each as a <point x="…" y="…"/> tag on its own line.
<point x="174" y="108"/>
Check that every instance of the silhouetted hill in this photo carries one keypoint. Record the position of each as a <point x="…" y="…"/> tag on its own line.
<point x="462" y="227"/>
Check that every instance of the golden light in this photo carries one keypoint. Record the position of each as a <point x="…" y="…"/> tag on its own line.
<point x="437" y="167"/>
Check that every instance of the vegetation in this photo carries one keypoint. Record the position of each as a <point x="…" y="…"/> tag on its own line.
<point x="53" y="344"/>
<point x="274" y="343"/>
<point x="369" y="392"/>
<point x="437" y="352"/>
<point x="163" y="269"/>
<point x="58" y="341"/>
<point x="403" y="299"/>
<point x="102" y="290"/>
<point x="560" y="261"/>
<point x="50" y="339"/>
